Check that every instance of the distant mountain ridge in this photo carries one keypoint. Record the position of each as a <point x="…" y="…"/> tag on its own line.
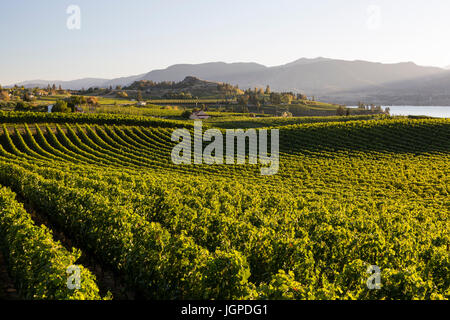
<point x="423" y="91"/>
<point x="320" y="77"/>
<point x="70" y="84"/>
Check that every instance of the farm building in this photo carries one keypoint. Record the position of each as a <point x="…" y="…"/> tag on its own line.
<point x="78" y="109"/>
<point x="199" y="115"/>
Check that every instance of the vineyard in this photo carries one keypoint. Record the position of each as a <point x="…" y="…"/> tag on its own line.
<point x="350" y="193"/>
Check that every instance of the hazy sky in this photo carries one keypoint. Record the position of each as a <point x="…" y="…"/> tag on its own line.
<point x="121" y="38"/>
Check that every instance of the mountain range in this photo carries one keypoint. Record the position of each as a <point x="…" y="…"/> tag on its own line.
<point x="339" y="81"/>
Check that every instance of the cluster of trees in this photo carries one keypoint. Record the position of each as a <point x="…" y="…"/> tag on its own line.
<point x="22" y="99"/>
<point x="259" y="97"/>
<point x="343" y="111"/>
<point x="70" y="103"/>
<point x="370" y="109"/>
<point x="16" y="98"/>
<point x="61" y="106"/>
<point x="286" y="97"/>
<point x="224" y="89"/>
<point x="149" y="84"/>
<point x="255" y="97"/>
<point x="16" y="93"/>
<point x="180" y="95"/>
<point x="52" y="90"/>
<point x="23" y="106"/>
<point x="373" y="108"/>
<point x="28" y="94"/>
<point x="228" y="90"/>
<point x="282" y="98"/>
<point x="186" y="114"/>
<point x="19" y="106"/>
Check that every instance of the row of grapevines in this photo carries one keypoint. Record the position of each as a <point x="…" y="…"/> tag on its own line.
<point x="161" y="265"/>
<point x="40" y="117"/>
<point x="37" y="263"/>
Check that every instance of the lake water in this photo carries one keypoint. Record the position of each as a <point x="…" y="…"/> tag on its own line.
<point x="431" y="111"/>
<point x="438" y="112"/>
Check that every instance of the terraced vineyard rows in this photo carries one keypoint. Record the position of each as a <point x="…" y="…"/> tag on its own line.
<point x="348" y="195"/>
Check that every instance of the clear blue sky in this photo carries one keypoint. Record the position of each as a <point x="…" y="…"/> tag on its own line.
<point x="120" y="38"/>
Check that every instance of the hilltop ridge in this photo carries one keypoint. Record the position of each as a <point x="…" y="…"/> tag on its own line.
<point x="191" y="86"/>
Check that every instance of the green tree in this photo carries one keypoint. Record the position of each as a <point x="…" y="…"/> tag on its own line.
<point x="287" y="98"/>
<point x="243" y="100"/>
<point x="22" y="106"/>
<point x="275" y="98"/>
<point x="340" y="111"/>
<point x="186" y="114"/>
<point x="258" y="106"/>
<point x="60" y="106"/>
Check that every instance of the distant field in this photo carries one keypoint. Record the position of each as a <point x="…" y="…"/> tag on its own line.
<point x="188" y="101"/>
<point x="149" y="110"/>
<point x="50" y="99"/>
<point x="173" y="108"/>
<point x="111" y="101"/>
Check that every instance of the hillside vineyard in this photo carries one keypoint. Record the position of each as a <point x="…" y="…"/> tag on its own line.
<point x="348" y="195"/>
<point x="233" y="140"/>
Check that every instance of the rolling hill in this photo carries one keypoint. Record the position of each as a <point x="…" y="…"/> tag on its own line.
<point x="429" y="90"/>
<point x="345" y="81"/>
<point x="312" y="76"/>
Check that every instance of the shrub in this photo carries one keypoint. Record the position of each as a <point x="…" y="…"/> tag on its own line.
<point x="186" y="114"/>
<point x="61" y="106"/>
<point x="22" y="106"/>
